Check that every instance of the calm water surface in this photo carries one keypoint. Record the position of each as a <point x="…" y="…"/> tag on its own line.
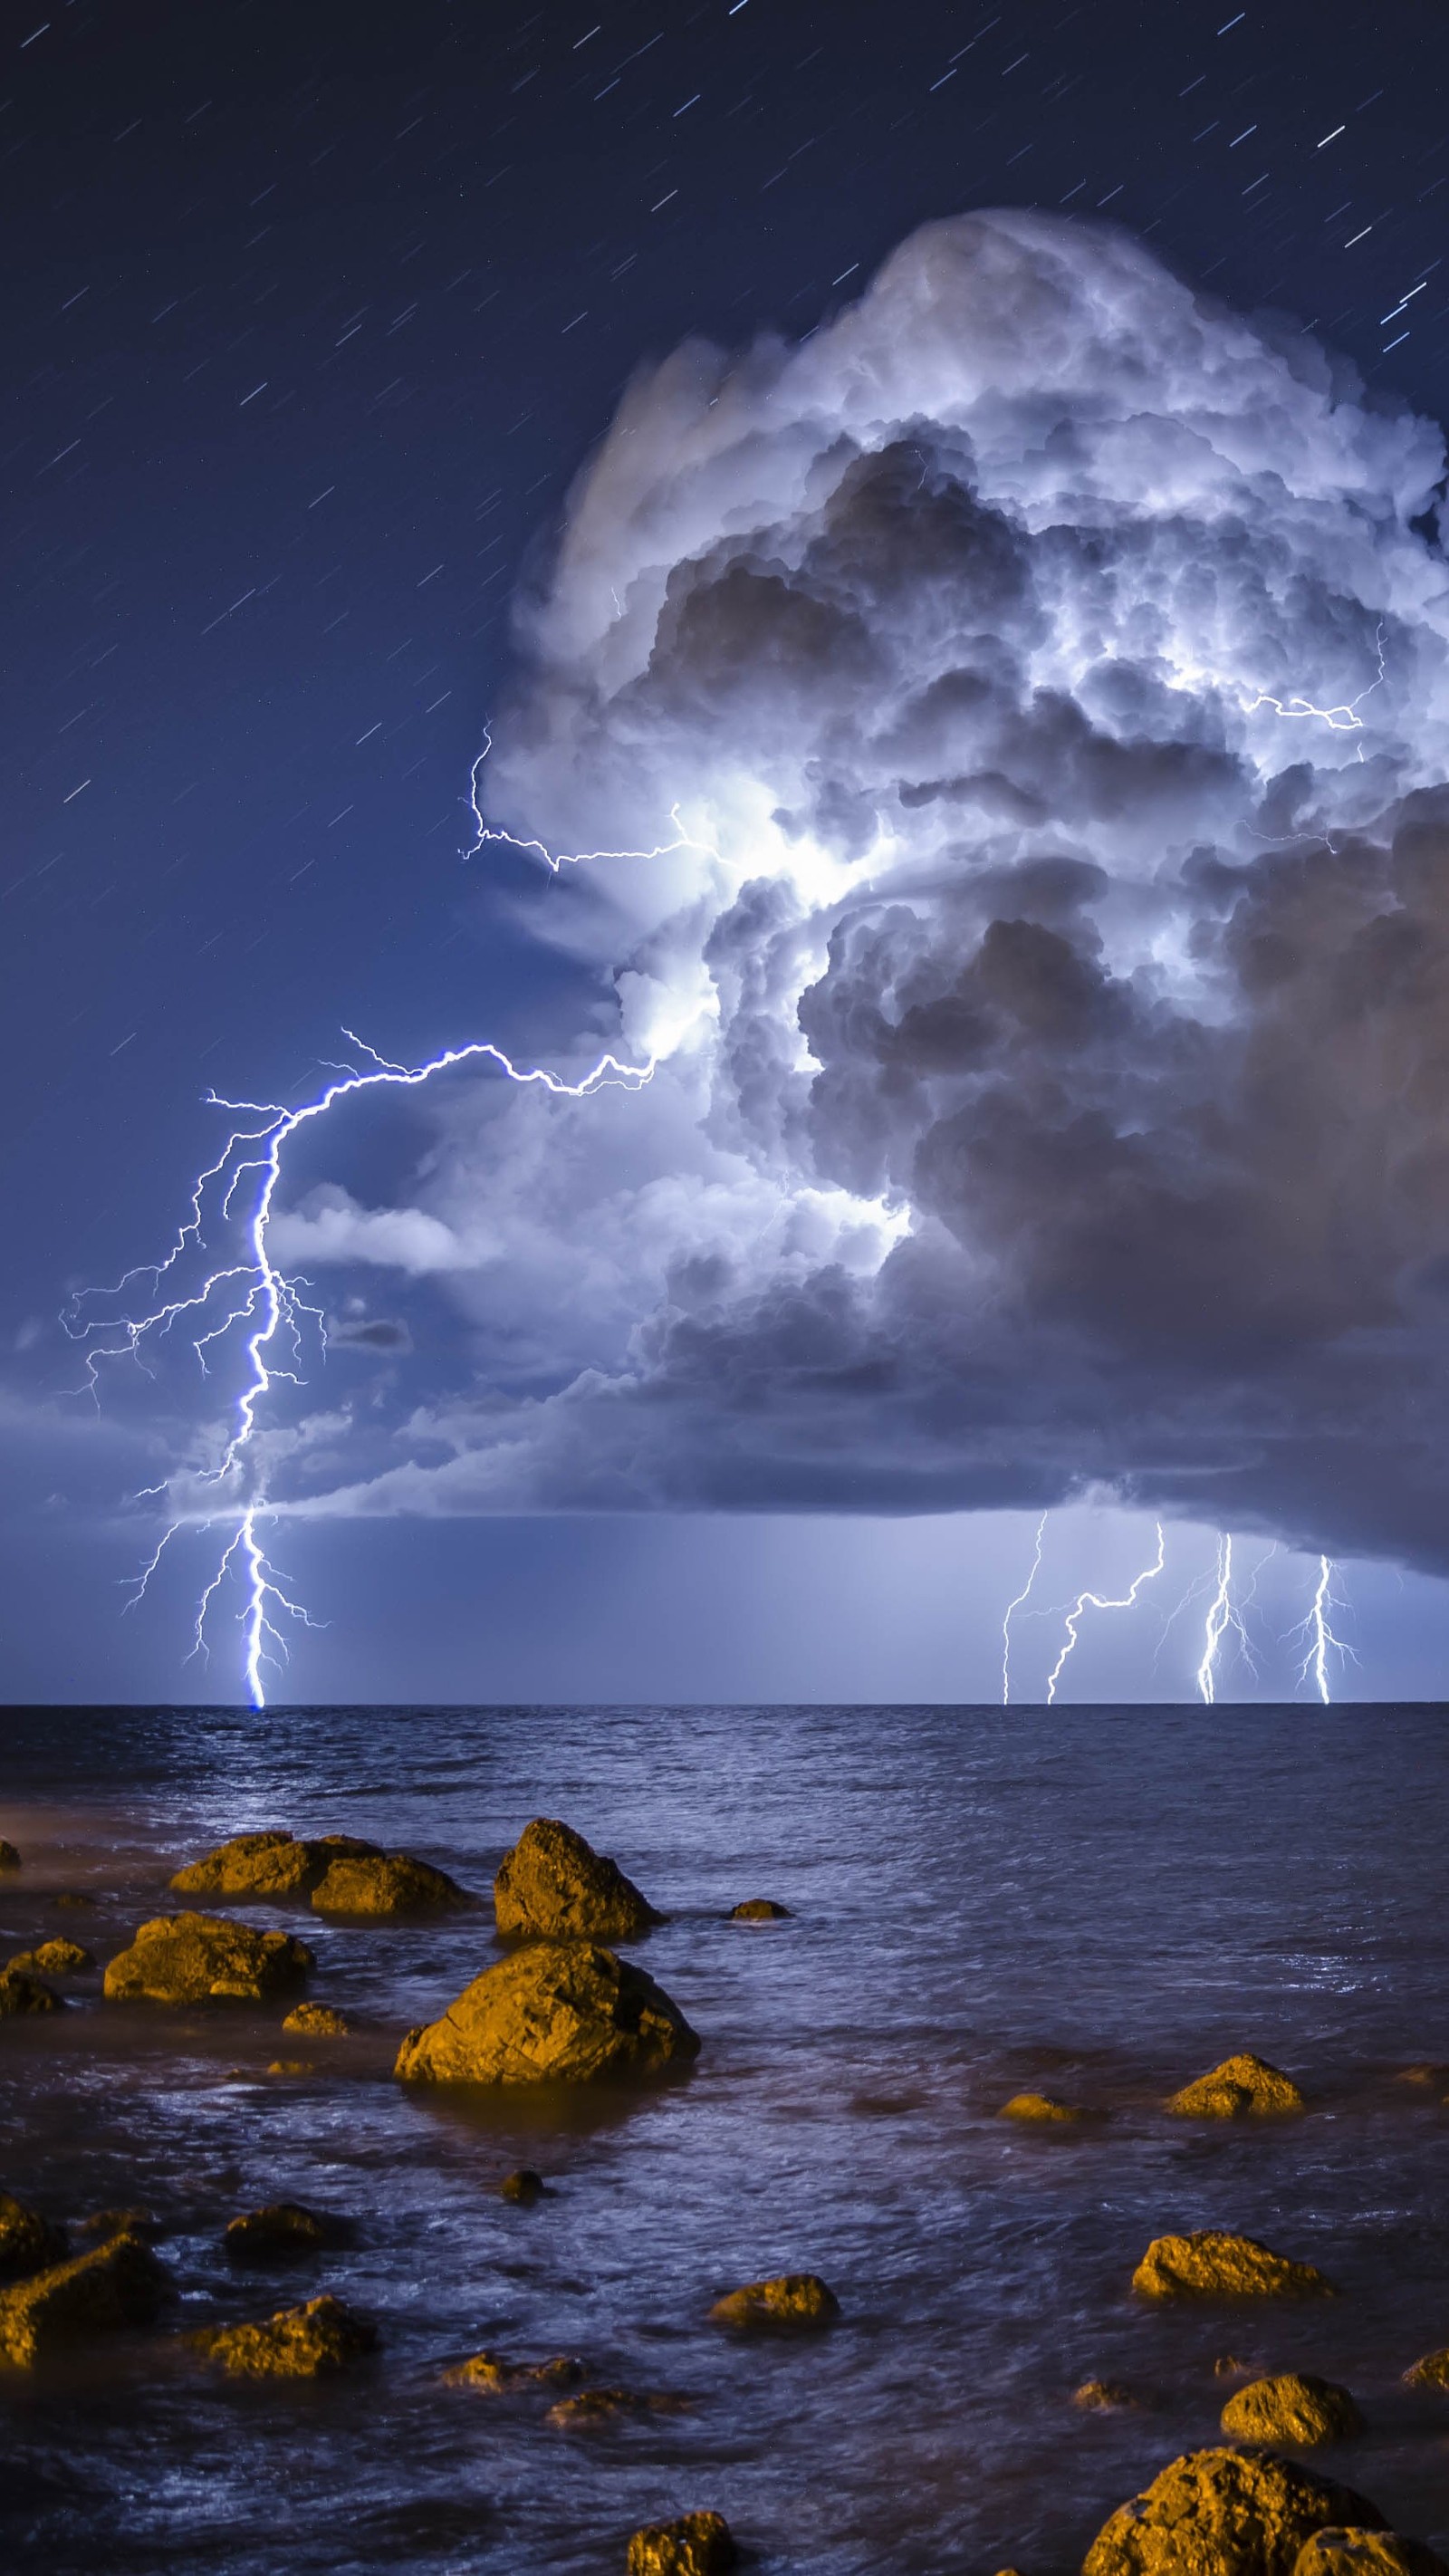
<point x="1099" y="1902"/>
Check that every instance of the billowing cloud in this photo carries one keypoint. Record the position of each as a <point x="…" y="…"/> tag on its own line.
<point x="1032" y="690"/>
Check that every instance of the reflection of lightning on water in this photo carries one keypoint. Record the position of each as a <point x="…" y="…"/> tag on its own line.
<point x="1023" y="1595"/>
<point x="1094" y="1601"/>
<point x="1318" y="1629"/>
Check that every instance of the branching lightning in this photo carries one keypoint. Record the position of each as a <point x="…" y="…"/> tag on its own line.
<point x="1094" y="1601"/>
<point x="1345" y="719"/>
<point x="1317" y="1628"/>
<point x="1022" y="1597"/>
<point x="557" y="860"/>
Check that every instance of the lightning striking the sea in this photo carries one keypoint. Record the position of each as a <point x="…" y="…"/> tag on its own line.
<point x="1318" y="1630"/>
<point x="1023" y="1596"/>
<point x="1095" y="1601"/>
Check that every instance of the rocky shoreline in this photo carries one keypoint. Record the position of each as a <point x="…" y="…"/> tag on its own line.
<point x="561" y="2007"/>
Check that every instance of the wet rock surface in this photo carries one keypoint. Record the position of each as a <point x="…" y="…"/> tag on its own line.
<point x="117" y="2284"/>
<point x="317" y="2021"/>
<point x="554" y="1886"/>
<point x="271" y="1866"/>
<point x="1241" y="2087"/>
<point x="282" y="2230"/>
<point x="58" y="1958"/>
<point x="786" y="2304"/>
<point x="523" y="2186"/>
<point x="1366" y="2553"/>
<point x="1430" y="2371"/>
<point x="760" y="1909"/>
<point x="560" y="2012"/>
<point x="28" y="2242"/>
<point x="204" y="1958"/>
<point x="22" y="1994"/>
<point x="1105" y="2397"/>
<point x="387" y="1883"/>
<point x="696" y="2544"/>
<point x="1224" y="2513"/>
<point x="1294" y="2409"/>
<point x="1043" y="2108"/>
<point x="1212" y="2263"/>
<point x="489" y="2373"/>
<point x="309" y="2342"/>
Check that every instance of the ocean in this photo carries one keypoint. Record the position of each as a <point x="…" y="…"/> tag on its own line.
<point x="1095" y="1902"/>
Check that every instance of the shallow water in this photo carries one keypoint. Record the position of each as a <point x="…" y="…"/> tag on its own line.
<point x="1098" y="1902"/>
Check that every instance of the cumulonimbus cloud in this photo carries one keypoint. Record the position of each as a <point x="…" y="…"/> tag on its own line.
<point x="1048" y="964"/>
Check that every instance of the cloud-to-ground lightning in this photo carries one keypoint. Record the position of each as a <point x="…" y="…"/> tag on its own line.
<point x="1095" y="1601"/>
<point x="1219" y="1617"/>
<point x="1023" y="1596"/>
<point x="1317" y="1628"/>
<point x="252" y="1298"/>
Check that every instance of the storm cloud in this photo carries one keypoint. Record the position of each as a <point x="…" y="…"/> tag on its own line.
<point x="1032" y="694"/>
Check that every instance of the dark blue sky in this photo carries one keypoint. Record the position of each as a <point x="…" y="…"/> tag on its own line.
<point x="311" y="316"/>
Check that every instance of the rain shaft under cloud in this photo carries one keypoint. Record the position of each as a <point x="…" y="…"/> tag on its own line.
<point x="1047" y="964"/>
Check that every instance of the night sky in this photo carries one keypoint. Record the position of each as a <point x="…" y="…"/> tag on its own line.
<point x="313" y="317"/>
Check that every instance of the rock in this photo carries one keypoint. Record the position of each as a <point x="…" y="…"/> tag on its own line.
<point x="53" y="1959"/>
<point x="295" y="2343"/>
<point x="698" y="2544"/>
<point x="1357" y="2552"/>
<point x="498" y="2378"/>
<point x="793" y="2301"/>
<point x="1039" y="2106"/>
<point x="1104" y="2397"/>
<point x="1230" y="2365"/>
<point x="525" y="2186"/>
<point x="1211" y="2264"/>
<point x="1428" y="2077"/>
<point x="21" y="1993"/>
<point x="1241" y="2085"/>
<point x="122" y="2222"/>
<point x="267" y="1865"/>
<point x="381" y="1883"/>
<point x="1295" y="2409"/>
<point x="553" y="1886"/>
<point x="282" y="2230"/>
<point x="290" y="2066"/>
<point x="203" y="1958"/>
<point x="317" y="2021"/>
<point x="9" y="1856"/>
<point x="118" y="2284"/>
<point x="70" y="1896"/>
<point x="1223" y="2513"/>
<point x="760" y="1909"/>
<point x="28" y="2242"/>
<point x="604" y="2405"/>
<point x="557" y="2011"/>
<point x="1430" y="2372"/>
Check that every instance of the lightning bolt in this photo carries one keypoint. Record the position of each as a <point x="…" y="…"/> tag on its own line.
<point x="1023" y="1596"/>
<point x="1093" y="1601"/>
<point x="252" y="1301"/>
<point x="1220" y="1611"/>
<point x="1318" y="1629"/>
<point x="1345" y="719"/>
<point x="557" y="860"/>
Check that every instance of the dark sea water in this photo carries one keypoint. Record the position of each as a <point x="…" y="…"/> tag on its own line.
<point x="1096" y="1902"/>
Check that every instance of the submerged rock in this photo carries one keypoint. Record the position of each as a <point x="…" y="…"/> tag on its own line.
<point x="553" y="1886"/>
<point x="72" y="1897"/>
<point x="28" y="2242"/>
<point x="604" y="2405"/>
<point x="1366" y="2553"/>
<point x="295" y="2343"/>
<point x="1039" y="2106"/>
<point x="119" y="2284"/>
<point x="1430" y="2372"/>
<point x="203" y="1958"/>
<point x="270" y="1865"/>
<point x="488" y="2372"/>
<point x="1105" y="2397"/>
<point x="22" y="1993"/>
<point x="1427" y="2077"/>
<point x="697" y="2544"/>
<point x="759" y="1909"/>
<point x="1241" y="2086"/>
<point x="57" y="1958"/>
<point x="792" y="2301"/>
<point x="9" y="1856"/>
<point x="1224" y="2513"/>
<point x="282" y="2230"/>
<point x="524" y="2186"/>
<point x="380" y="1883"/>
<point x="557" y="2011"/>
<point x="317" y="2021"/>
<point x="1213" y="2264"/>
<point x="1295" y="2408"/>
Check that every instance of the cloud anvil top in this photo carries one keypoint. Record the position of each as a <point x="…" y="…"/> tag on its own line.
<point x="1004" y="740"/>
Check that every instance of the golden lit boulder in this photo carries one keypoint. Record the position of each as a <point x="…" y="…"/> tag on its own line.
<point x="281" y="2231"/>
<point x="317" y="2021"/>
<point x="118" y="2284"/>
<point x="20" y="1994"/>
<point x="1242" y="2086"/>
<point x="759" y="1909"/>
<point x="491" y="2376"/>
<point x="28" y="2242"/>
<point x="1213" y="2264"/>
<point x="553" y="1886"/>
<point x="1041" y="2107"/>
<point x="1366" y="2553"/>
<point x="1224" y="2513"/>
<point x="698" y="2544"/>
<point x="386" y="1883"/>
<point x="296" y="2343"/>
<point x="203" y="1958"/>
<point x="1294" y="2409"/>
<point x="555" y="2012"/>
<point x="58" y="1958"/>
<point x="1104" y="2397"/>
<point x="266" y="1866"/>
<point x="1432" y="2371"/>
<point x="784" y="2305"/>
